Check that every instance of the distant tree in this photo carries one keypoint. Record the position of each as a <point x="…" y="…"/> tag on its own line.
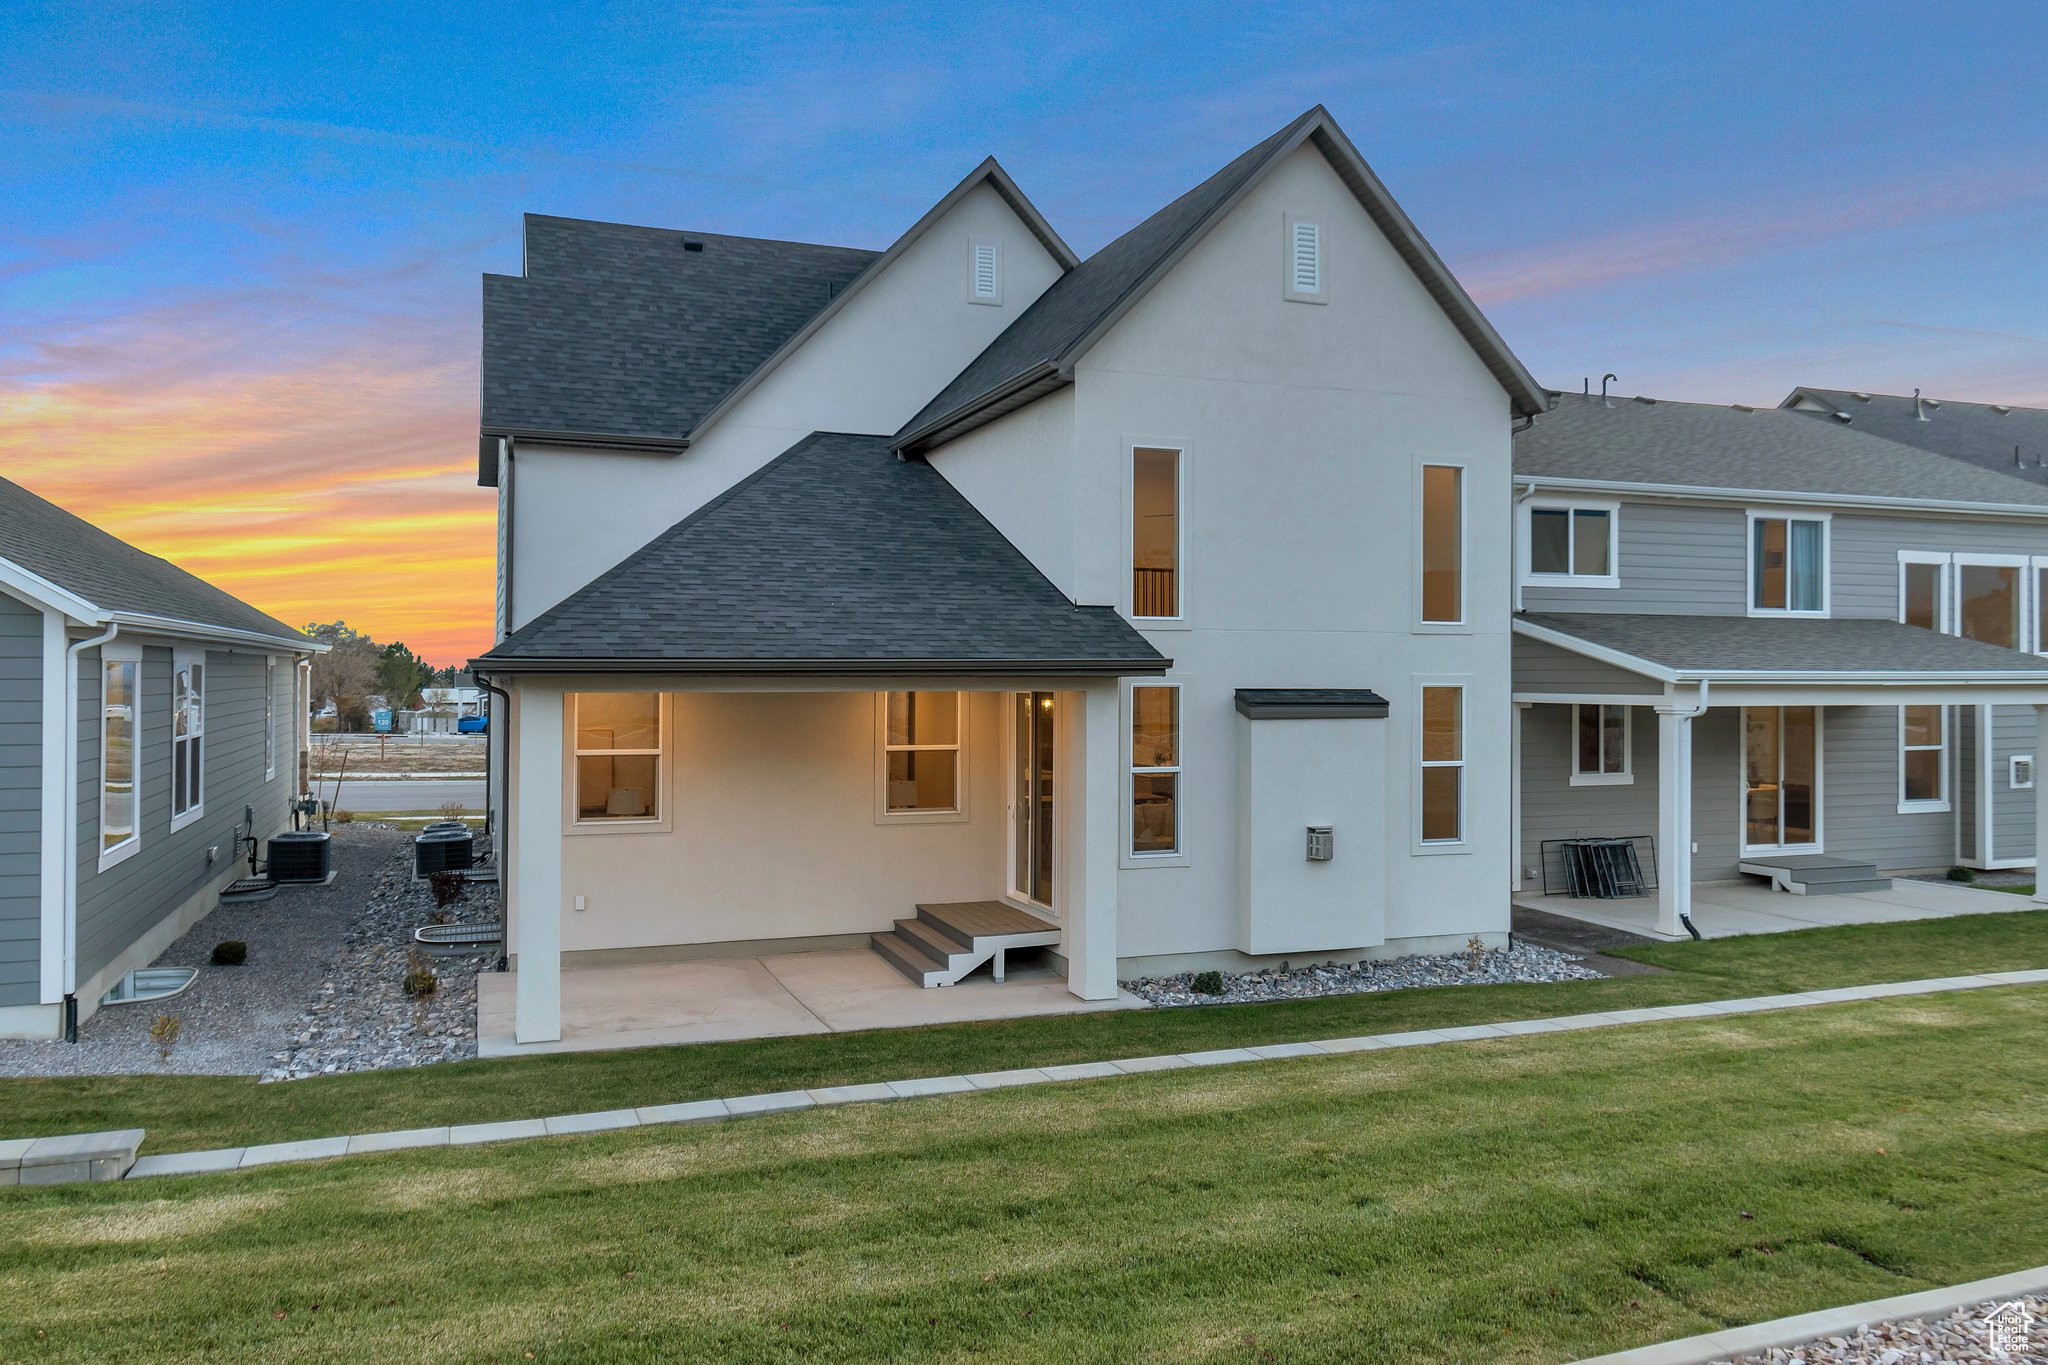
<point x="400" y="676"/>
<point x="346" y="674"/>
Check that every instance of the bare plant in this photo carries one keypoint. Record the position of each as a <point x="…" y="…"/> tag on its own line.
<point x="164" y="1033"/>
<point x="420" y="981"/>
<point x="447" y="886"/>
<point x="1475" y="952"/>
<point x="452" y="810"/>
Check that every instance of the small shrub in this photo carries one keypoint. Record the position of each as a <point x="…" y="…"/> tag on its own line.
<point x="232" y="953"/>
<point x="452" y="810"/>
<point x="164" y="1033"/>
<point x="1475" y="952"/>
<point x="1959" y="873"/>
<point x="342" y="817"/>
<point x="447" y="887"/>
<point x="1207" y="983"/>
<point x="420" y="981"/>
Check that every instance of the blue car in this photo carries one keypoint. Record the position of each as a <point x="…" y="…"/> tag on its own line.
<point x="473" y="725"/>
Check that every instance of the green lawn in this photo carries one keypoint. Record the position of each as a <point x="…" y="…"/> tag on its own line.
<point x="1513" y="1200"/>
<point x="183" y="1113"/>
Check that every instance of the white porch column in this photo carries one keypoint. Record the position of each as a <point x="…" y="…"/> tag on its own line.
<point x="1088" y="835"/>
<point x="1674" y="818"/>
<point x="536" y="917"/>
<point x="2040" y="801"/>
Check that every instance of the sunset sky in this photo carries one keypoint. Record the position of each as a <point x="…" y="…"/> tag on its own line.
<point x="240" y="244"/>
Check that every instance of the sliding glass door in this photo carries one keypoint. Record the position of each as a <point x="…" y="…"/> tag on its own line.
<point x="1031" y="798"/>
<point x="1781" y="778"/>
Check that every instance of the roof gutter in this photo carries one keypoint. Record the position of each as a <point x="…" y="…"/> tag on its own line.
<point x="652" y="445"/>
<point x="913" y="442"/>
<point x="1782" y="497"/>
<point x="199" y="630"/>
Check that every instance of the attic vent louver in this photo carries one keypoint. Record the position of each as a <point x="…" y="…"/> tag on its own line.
<point x="692" y="246"/>
<point x="985" y="279"/>
<point x="1307" y="273"/>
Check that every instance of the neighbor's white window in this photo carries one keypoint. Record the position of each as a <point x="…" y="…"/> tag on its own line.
<point x="188" y="736"/>
<point x="618" y="757"/>
<point x="120" y="724"/>
<point x="1600" y="746"/>
<point x="1923" y="589"/>
<point x="922" y="753"/>
<point x="1572" y="544"/>
<point x="269" y="719"/>
<point x="1443" y="765"/>
<point x="1788" y="564"/>
<point x="1989" y="589"/>
<point x="1304" y="261"/>
<point x="1443" y="544"/>
<point x="1155" y="533"/>
<point x="1923" y="758"/>
<point x="2040" y="590"/>
<point x="1155" y="770"/>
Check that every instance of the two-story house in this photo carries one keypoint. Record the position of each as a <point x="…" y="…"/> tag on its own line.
<point x="1151" y="608"/>
<point x="1764" y="644"/>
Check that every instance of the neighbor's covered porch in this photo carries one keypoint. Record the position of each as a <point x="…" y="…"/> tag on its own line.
<point x="1747" y="758"/>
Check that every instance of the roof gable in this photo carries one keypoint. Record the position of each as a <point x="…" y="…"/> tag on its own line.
<point x="1038" y="352"/>
<point x="836" y="557"/>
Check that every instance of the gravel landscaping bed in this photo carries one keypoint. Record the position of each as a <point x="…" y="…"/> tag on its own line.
<point x="1961" y="1336"/>
<point x="322" y="989"/>
<point x="1523" y="963"/>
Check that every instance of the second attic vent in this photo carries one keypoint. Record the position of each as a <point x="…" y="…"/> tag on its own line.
<point x="985" y="282"/>
<point x="1307" y="273"/>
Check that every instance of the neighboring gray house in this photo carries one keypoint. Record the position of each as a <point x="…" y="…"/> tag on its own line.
<point x="2001" y="436"/>
<point x="1761" y="637"/>
<point x="147" y="721"/>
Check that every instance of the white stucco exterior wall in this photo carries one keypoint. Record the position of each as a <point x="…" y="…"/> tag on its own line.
<point x="869" y="369"/>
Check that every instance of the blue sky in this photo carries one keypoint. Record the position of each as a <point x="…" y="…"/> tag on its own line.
<point x="239" y="244"/>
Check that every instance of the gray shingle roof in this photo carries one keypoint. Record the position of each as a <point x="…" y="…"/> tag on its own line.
<point x="835" y="557"/>
<point x="113" y="575"/>
<point x="1037" y="351"/>
<point x="1693" y="645"/>
<point x="1984" y="434"/>
<point x="619" y="330"/>
<point x="1707" y="446"/>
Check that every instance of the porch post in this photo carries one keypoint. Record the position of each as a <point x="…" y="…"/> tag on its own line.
<point x="537" y="906"/>
<point x="2040" y="802"/>
<point x="1089" y="835"/>
<point x="1674" y="818"/>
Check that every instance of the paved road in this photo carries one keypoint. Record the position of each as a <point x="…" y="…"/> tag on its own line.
<point x="368" y="795"/>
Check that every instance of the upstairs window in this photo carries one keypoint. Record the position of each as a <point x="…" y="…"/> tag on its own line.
<point x="618" y="757"/>
<point x="1788" y="565"/>
<point x="1155" y="533"/>
<point x="1923" y="590"/>
<point x="1443" y="544"/>
<point x="985" y="273"/>
<point x="188" y="738"/>
<point x="1304" y="261"/>
<point x="921" y="753"/>
<point x="1988" y="600"/>
<point x="1572" y="544"/>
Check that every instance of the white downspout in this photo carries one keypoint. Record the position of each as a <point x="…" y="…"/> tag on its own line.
<point x="70" y="860"/>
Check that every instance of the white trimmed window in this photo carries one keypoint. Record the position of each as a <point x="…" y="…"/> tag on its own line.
<point x="923" y="765"/>
<point x="1788" y="565"/>
<point x="1443" y="765"/>
<point x="269" y="719"/>
<point x="1601" y="746"/>
<point x="120" y="731"/>
<point x="985" y="272"/>
<point x="1990" y="599"/>
<point x="188" y="737"/>
<point x="619" y="742"/>
<point x="1923" y="758"/>
<point x="1571" y="544"/>
<point x="1155" y="770"/>
<point x="1156" y="533"/>
<point x="1304" y="261"/>
<point x="1923" y="589"/>
<point x="1442" y="536"/>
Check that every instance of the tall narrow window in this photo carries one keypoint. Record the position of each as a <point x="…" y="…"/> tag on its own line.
<point x="1988" y="602"/>
<point x="1443" y="765"/>
<point x="1155" y="533"/>
<point x="1923" y="754"/>
<point x="1443" y="544"/>
<point x="618" y="757"/>
<point x="188" y="737"/>
<point x="120" y="827"/>
<point x="1601" y="746"/>
<point x="921" y="753"/>
<point x="1155" y="770"/>
<point x="1922" y="599"/>
<point x="1788" y="564"/>
<point x="269" y="719"/>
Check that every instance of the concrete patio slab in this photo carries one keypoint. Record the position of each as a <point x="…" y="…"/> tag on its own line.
<point x="1727" y="909"/>
<point x="660" y="1004"/>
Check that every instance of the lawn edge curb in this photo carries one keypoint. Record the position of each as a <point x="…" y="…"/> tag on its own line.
<point x="1827" y="1322"/>
<point x="208" y="1161"/>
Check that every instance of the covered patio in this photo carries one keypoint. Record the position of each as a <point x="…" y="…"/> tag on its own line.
<point x="1776" y="740"/>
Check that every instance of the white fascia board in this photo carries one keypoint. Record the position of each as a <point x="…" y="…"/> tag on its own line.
<point x="1600" y="653"/>
<point x="198" y="630"/>
<point x="1781" y="498"/>
<point x="41" y="592"/>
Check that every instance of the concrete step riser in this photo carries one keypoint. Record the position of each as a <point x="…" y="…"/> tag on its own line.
<point x="893" y="951"/>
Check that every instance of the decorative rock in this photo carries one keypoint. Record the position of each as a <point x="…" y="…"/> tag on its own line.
<point x="1969" y="1334"/>
<point x="1523" y="963"/>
